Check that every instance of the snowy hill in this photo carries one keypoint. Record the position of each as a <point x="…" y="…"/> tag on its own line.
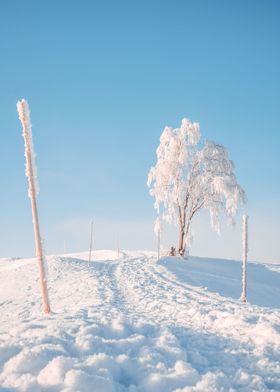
<point x="135" y="324"/>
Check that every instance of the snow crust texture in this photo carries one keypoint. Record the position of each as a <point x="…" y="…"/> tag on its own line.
<point x="137" y="325"/>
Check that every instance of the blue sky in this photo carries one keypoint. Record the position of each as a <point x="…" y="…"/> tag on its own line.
<point x="102" y="79"/>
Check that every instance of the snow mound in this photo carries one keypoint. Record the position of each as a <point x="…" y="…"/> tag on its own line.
<point x="224" y="277"/>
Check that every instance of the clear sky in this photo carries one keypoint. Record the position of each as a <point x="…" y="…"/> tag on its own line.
<point x="102" y="79"/>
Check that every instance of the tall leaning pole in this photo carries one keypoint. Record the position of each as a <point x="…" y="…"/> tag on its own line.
<point x="30" y="171"/>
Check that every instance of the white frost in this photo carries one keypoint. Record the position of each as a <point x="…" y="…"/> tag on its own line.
<point x="24" y="116"/>
<point x="157" y="227"/>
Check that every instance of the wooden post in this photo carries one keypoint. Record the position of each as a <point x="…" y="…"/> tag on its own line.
<point x="118" y="246"/>
<point x="245" y="255"/>
<point x="158" y="237"/>
<point x="157" y="230"/>
<point x="23" y="111"/>
<point x="90" y="246"/>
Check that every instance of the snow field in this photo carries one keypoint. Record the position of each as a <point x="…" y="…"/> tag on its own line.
<point x="136" y="325"/>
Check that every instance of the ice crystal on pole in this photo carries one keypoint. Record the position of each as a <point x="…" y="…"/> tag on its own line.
<point x="24" y="116"/>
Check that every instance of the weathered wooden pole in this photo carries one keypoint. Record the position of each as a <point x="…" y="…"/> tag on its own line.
<point x="30" y="171"/>
<point x="157" y="230"/>
<point x="245" y="255"/>
<point x="90" y="244"/>
<point x="118" y="245"/>
<point x="158" y="246"/>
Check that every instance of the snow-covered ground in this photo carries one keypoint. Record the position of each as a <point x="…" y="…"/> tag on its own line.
<point x="135" y="324"/>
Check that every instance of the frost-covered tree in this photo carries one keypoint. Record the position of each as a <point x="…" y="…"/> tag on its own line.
<point x="190" y="176"/>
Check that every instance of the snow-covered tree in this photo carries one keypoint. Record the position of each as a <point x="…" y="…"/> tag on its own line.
<point x="189" y="176"/>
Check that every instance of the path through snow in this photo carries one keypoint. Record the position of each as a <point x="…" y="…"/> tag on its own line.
<point x="138" y="325"/>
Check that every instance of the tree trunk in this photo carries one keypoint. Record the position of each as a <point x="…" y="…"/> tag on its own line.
<point x="183" y="238"/>
<point x="181" y="247"/>
<point x="182" y="233"/>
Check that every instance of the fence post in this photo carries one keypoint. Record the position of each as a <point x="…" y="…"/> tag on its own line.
<point x="245" y="255"/>
<point x="30" y="170"/>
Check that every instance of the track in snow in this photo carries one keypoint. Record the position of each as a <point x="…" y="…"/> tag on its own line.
<point x="133" y="325"/>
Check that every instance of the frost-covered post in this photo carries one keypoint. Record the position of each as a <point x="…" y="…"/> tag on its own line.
<point x="245" y="254"/>
<point x="90" y="245"/>
<point x="157" y="229"/>
<point x="118" y="245"/>
<point x="31" y="173"/>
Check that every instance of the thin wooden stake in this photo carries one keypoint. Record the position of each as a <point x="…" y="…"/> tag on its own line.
<point x="90" y="246"/>
<point x="23" y="111"/>
<point x="245" y="255"/>
<point x="157" y="230"/>
<point x="118" y="247"/>
<point x="159" y="235"/>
